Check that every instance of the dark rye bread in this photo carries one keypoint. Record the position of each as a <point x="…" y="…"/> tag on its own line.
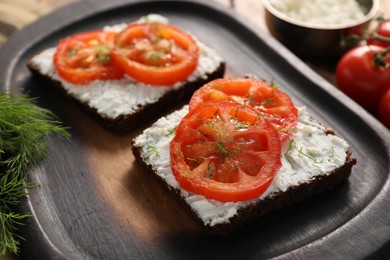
<point x="287" y="198"/>
<point x="125" y="123"/>
<point x="275" y="201"/>
<point x="143" y="114"/>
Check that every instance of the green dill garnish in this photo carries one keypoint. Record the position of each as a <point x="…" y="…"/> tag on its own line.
<point x="251" y="100"/>
<point x="239" y="124"/>
<point x="169" y="47"/>
<point x="292" y="145"/>
<point x="333" y="152"/>
<point x="309" y="155"/>
<point x="268" y="101"/>
<point x="194" y="162"/>
<point x="156" y="38"/>
<point x="152" y="149"/>
<point x="103" y="53"/>
<point x="210" y="173"/>
<point x="221" y="146"/>
<point x="154" y="56"/>
<point x="187" y="174"/>
<point x="171" y="132"/>
<point x="145" y="19"/>
<point x="291" y="148"/>
<point x="285" y="129"/>
<point x="236" y="113"/>
<point x="218" y="118"/>
<point x="72" y="51"/>
<point x="24" y="132"/>
<point x="274" y="84"/>
<point x="301" y="152"/>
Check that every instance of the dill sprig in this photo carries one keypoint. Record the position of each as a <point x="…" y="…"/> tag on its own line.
<point x="152" y="149"/>
<point x="24" y="132"/>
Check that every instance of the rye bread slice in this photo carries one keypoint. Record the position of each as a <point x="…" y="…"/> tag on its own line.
<point x="250" y="210"/>
<point x="142" y="112"/>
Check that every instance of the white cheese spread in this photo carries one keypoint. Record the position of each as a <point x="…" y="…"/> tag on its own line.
<point x="309" y="153"/>
<point x="321" y="12"/>
<point x="113" y="98"/>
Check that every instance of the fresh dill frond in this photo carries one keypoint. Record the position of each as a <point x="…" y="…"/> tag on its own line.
<point x="310" y="155"/>
<point x="152" y="149"/>
<point x="154" y="56"/>
<point x="171" y="132"/>
<point x="223" y="150"/>
<point x="9" y="221"/>
<point x="12" y="191"/>
<point x="274" y="85"/>
<point x="103" y="54"/>
<point x="24" y="133"/>
<point x="291" y="148"/>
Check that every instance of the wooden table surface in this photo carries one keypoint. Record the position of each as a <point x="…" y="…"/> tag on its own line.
<point x="15" y="14"/>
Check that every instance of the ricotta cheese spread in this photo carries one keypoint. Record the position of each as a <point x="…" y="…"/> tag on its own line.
<point x="310" y="152"/>
<point x="113" y="98"/>
<point x="320" y="12"/>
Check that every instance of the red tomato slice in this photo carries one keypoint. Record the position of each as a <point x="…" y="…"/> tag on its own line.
<point x="224" y="151"/>
<point x="156" y="53"/>
<point x="84" y="57"/>
<point x="274" y="105"/>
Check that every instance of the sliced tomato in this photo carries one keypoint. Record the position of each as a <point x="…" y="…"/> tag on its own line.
<point x="224" y="151"/>
<point x="273" y="104"/>
<point x="156" y="53"/>
<point x="84" y="57"/>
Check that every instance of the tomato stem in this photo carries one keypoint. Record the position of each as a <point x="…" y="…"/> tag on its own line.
<point x="375" y="35"/>
<point x="380" y="58"/>
<point x="351" y="41"/>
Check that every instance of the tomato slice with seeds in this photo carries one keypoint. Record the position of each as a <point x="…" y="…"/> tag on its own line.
<point x="156" y="53"/>
<point x="224" y="151"/>
<point x="84" y="57"/>
<point x="273" y="104"/>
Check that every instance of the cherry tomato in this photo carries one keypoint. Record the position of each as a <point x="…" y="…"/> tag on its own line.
<point x="156" y="53"/>
<point x="225" y="151"/>
<point x="384" y="109"/>
<point x="274" y="105"/>
<point x="364" y="77"/>
<point x="381" y="36"/>
<point x="84" y="57"/>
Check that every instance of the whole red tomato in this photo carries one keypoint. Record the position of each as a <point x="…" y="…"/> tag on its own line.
<point x="381" y="35"/>
<point x="363" y="73"/>
<point x="384" y="109"/>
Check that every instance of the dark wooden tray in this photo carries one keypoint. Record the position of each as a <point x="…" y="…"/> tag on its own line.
<point x="94" y="202"/>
